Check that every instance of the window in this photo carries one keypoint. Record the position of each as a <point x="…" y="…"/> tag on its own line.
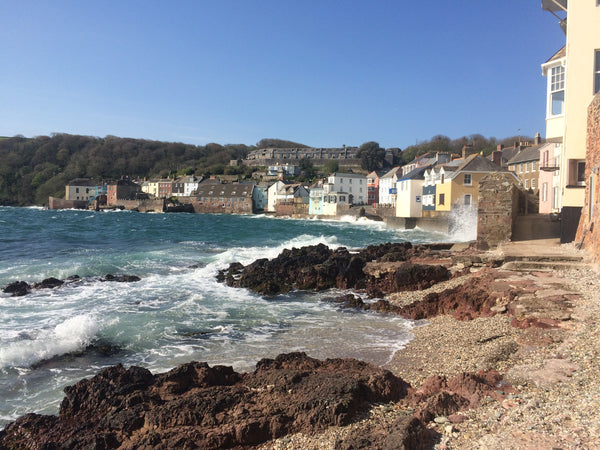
<point x="526" y="184"/>
<point x="557" y="90"/>
<point x="544" y="192"/>
<point x="597" y="71"/>
<point x="533" y="166"/>
<point x="533" y="183"/>
<point x="526" y="167"/>
<point x="442" y="199"/>
<point x="467" y="179"/>
<point x="521" y="168"/>
<point x="467" y="199"/>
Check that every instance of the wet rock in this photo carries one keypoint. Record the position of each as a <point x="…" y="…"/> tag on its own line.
<point x="121" y="278"/>
<point x="404" y="277"/>
<point x="197" y="406"/>
<point x="17" y="288"/>
<point x="48" y="283"/>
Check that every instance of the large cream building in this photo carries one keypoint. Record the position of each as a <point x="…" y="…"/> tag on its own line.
<point x="573" y="79"/>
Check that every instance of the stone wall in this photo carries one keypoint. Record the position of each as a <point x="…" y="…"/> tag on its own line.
<point x="497" y="209"/>
<point x="588" y="231"/>
<point x="59" y="203"/>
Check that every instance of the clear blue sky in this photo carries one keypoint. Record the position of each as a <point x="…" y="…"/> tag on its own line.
<point x="320" y="72"/>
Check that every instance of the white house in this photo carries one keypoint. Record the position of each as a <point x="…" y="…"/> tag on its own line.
<point x="409" y="197"/>
<point x="387" y="187"/>
<point x="272" y="195"/>
<point x="354" y="185"/>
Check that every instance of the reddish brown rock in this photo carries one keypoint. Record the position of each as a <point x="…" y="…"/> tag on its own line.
<point x="196" y="405"/>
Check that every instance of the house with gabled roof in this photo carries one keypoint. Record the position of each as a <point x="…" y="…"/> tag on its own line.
<point x="409" y="197"/>
<point x="387" y="187"/>
<point x="228" y="198"/>
<point x="458" y="185"/>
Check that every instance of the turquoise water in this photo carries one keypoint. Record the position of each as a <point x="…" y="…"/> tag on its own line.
<point x="177" y="312"/>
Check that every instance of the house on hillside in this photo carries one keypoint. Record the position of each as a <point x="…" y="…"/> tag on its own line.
<point x="165" y="188"/>
<point x="185" y="185"/>
<point x="260" y="197"/>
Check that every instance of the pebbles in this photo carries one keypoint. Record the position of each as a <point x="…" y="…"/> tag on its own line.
<point x="554" y="372"/>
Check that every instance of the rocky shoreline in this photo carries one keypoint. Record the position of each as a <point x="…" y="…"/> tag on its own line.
<point x="505" y="359"/>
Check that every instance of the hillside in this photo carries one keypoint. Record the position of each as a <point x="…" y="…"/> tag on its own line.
<point x="31" y="169"/>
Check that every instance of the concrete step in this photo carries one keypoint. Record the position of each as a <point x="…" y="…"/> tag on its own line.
<point x="544" y="258"/>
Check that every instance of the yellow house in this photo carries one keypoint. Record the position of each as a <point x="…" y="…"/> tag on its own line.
<point x="459" y="182"/>
<point x="573" y="79"/>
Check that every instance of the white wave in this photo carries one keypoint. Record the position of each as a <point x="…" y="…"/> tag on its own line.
<point x="71" y="335"/>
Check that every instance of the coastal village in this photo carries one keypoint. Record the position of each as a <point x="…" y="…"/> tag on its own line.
<point x="509" y="354"/>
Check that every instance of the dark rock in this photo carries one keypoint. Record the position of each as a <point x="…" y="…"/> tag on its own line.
<point x="17" y="288"/>
<point x="48" y="283"/>
<point x="121" y="278"/>
<point x="197" y="406"/>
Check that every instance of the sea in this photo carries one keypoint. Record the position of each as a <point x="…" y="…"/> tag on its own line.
<point x="177" y="312"/>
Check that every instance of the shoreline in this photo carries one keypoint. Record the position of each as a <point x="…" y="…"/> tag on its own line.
<point x="553" y="370"/>
<point x="542" y="339"/>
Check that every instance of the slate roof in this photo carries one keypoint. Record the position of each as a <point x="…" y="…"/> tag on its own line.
<point x="224" y="190"/>
<point x="416" y="174"/>
<point x="528" y="154"/>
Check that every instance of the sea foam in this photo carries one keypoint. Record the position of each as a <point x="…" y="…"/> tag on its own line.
<point x="72" y="335"/>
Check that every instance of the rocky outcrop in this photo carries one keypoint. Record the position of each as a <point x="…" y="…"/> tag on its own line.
<point x="196" y="405"/>
<point x="319" y="268"/>
<point x="20" y="288"/>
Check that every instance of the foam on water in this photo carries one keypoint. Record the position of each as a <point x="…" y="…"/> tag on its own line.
<point x="74" y="334"/>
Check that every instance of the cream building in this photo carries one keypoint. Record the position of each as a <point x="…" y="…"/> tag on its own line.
<point x="573" y="79"/>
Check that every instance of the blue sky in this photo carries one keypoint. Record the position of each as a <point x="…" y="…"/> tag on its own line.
<point x="320" y="72"/>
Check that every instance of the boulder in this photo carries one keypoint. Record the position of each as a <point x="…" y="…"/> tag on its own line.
<point x="17" y="288"/>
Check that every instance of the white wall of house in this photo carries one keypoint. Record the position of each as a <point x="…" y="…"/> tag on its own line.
<point x="272" y="195"/>
<point x="351" y="183"/>
<point x="409" y="199"/>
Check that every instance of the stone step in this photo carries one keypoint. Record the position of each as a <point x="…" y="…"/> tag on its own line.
<point x="544" y="258"/>
<point x="523" y="265"/>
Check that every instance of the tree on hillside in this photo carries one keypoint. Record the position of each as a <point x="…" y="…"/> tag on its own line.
<point x="278" y="143"/>
<point x="371" y="156"/>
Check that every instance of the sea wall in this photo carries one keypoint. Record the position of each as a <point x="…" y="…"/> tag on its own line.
<point x="497" y="209"/>
<point x="59" y="203"/>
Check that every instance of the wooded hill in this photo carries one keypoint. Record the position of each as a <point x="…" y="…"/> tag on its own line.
<point x="32" y="169"/>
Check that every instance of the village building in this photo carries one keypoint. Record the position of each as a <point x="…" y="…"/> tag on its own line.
<point x="272" y="195"/>
<point x="165" y="188"/>
<point x="315" y="198"/>
<point x="84" y="189"/>
<point x="373" y="187"/>
<point x="184" y="186"/>
<point x="387" y="187"/>
<point x="549" y="183"/>
<point x="260" y="197"/>
<point x="353" y="185"/>
<point x="292" y="200"/>
<point x="525" y="165"/>
<point x="234" y="198"/>
<point x="119" y="192"/>
<point x="457" y="184"/>
<point x="409" y="197"/>
<point x="573" y="78"/>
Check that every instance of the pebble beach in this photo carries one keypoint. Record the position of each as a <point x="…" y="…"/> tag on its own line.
<point x="553" y="370"/>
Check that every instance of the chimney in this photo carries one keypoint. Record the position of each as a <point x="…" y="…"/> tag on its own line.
<point x="467" y="150"/>
<point x="499" y="147"/>
<point x="538" y="139"/>
<point x="497" y="156"/>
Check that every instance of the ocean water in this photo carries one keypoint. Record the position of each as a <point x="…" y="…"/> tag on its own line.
<point x="178" y="312"/>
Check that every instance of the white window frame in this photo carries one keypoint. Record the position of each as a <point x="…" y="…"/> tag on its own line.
<point x="470" y="177"/>
<point x="556" y="88"/>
